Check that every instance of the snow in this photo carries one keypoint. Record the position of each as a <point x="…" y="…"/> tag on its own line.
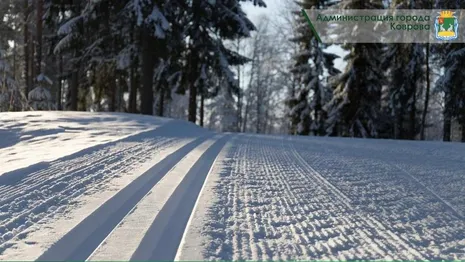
<point x="126" y="237"/>
<point x="168" y="190"/>
<point x="28" y="138"/>
<point x="332" y="199"/>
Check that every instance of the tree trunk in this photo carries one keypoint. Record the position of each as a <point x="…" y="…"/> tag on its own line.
<point x="123" y="87"/>
<point x="412" y="116"/>
<point x="463" y="132"/>
<point x="98" y="97"/>
<point x="427" y="94"/>
<point x="60" y="84"/>
<point x="447" y="124"/>
<point x="82" y="105"/>
<point x="133" y="78"/>
<point x="316" y="116"/>
<point x="32" y="67"/>
<point x="112" y="91"/>
<point x="258" y="95"/>
<point x="134" y="86"/>
<point x="148" y="65"/>
<point x="240" y="93"/>
<point x="40" y="11"/>
<point x="161" y="102"/>
<point x="26" y="49"/>
<point x="202" y="109"/>
<point x="192" y="116"/>
<point x="74" y="86"/>
<point x="246" y="115"/>
<point x="193" y="64"/>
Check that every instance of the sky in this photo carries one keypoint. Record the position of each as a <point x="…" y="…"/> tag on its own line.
<point x="254" y="12"/>
<point x="272" y="10"/>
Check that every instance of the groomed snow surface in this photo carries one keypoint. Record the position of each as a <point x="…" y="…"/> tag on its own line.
<point x="101" y="187"/>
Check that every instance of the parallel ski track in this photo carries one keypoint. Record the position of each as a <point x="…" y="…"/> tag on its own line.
<point x="83" y="239"/>
<point x="448" y="205"/>
<point x="162" y="240"/>
<point x="391" y="194"/>
<point x="273" y="205"/>
<point x="49" y="195"/>
<point x="391" y="238"/>
<point x="29" y="198"/>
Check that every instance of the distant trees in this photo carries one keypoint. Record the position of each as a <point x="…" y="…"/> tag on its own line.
<point x="9" y="95"/>
<point x="205" y="61"/>
<point x="124" y="55"/>
<point x="256" y="105"/>
<point x="384" y="91"/>
<point x="449" y="59"/>
<point x="11" y="98"/>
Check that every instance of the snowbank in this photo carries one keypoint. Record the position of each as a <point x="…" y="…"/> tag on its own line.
<point x="27" y="138"/>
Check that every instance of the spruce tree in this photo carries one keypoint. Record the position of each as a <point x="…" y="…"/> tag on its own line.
<point x="451" y="83"/>
<point x="406" y="75"/>
<point x="10" y="98"/>
<point x="354" y="110"/>
<point x="10" y="95"/>
<point x="309" y="68"/>
<point x="210" y="24"/>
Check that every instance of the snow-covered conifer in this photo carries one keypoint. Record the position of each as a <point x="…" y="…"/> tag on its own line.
<point x="312" y="66"/>
<point x="354" y="109"/>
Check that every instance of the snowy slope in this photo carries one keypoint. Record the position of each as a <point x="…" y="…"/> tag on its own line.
<point x="164" y="189"/>
<point x="332" y="199"/>
<point x="31" y="137"/>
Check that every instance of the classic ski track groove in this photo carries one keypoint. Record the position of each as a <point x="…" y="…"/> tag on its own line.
<point x="274" y="205"/>
<point x="47" y="191"/>
<point x="117" y="245"/>
<point x="162" y="240"/>
<point x="451" y="208"/>
<point x="428" y="218"/>
<point x="82" y="240"/>
<point x="390" y="236"/>
<point x="80" y="164"/>
<point x="72" y="186"/>
<point x="370" y="220"/>
<point x="33" y="180"/>
<point x="275" y="201"/>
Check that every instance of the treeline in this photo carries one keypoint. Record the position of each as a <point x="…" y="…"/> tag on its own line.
<point x="385" y="90"/>
<point x="119" y="55"/>
<point x="205" y="61"/>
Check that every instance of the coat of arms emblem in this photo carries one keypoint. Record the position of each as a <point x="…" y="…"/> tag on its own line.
<point x="446" y="25"/>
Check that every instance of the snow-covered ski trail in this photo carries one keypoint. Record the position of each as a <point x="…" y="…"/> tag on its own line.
<point x="162" y="240"/>
<point x="177" y="191"/>
<point x="277" y="201"/>
<point x="123" y="241"/>
<point x="393" y="197"/>
<point x="82" y="240"/>
<point x="32" y="198"/>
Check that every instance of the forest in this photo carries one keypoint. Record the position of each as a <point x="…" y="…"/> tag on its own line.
<point x="205" y="61"/>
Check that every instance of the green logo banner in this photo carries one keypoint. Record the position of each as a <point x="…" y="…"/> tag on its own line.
<point x="387" y="25"/>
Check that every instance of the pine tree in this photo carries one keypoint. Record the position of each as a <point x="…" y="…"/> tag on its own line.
<point x="70" y="47"/>
<point x="11" y="99"/>
<point x="309" y="68"/>
<point x="406" y="73"/>
<point x="356" y="104"/>
<point x="9" y="94"/>
<point x="406" y="63"/>
<point x="40" y="97"/>
<point x="451" y="83"/>
<point x="213" y="22"/>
